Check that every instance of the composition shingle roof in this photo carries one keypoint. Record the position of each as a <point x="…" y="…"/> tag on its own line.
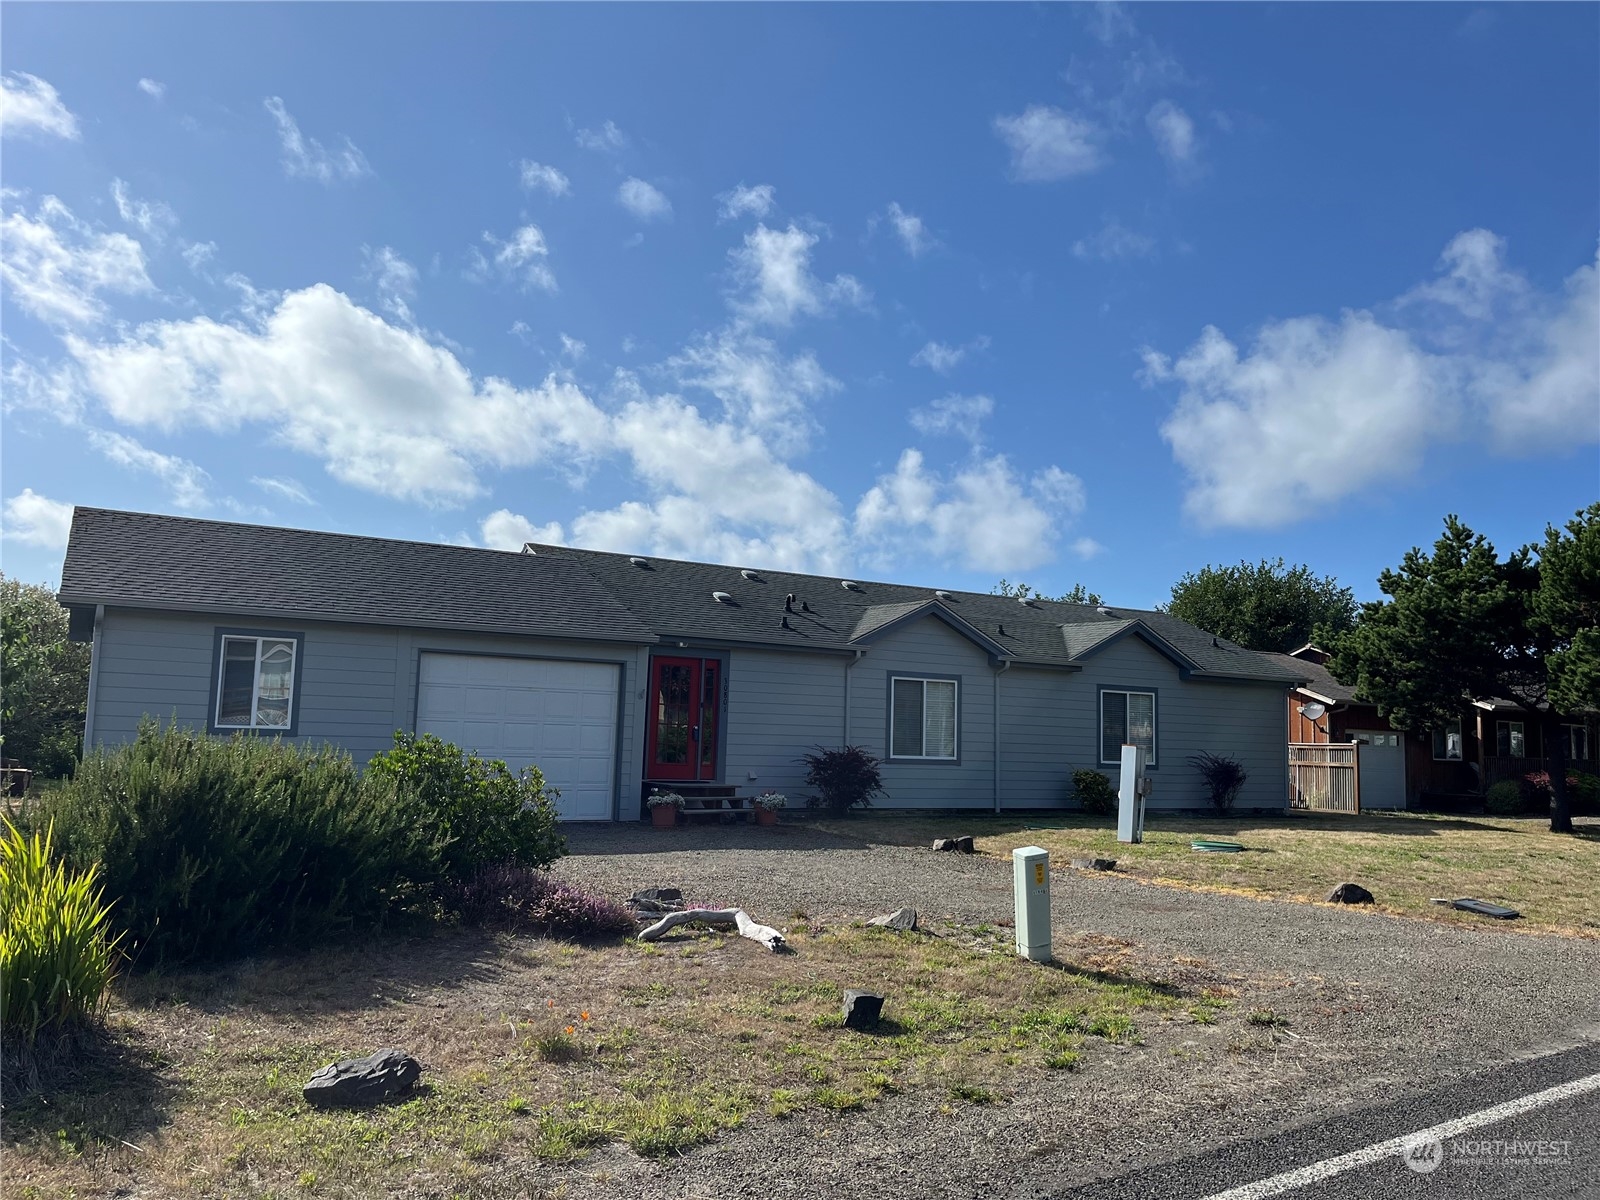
<point x="148" y="561"/>
<point x="674" y="598"/>
<point x="1318" y="678"/>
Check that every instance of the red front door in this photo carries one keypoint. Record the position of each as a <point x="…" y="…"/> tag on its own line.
<point x="684" y="710"/>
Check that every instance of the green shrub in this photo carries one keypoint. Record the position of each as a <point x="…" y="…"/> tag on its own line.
<point x="476" y="809"/>
<point x="1094" y="793"/>
<point x="1505" y="799"/>
<point x="214" y="847"/>
<point x="56" y="958"/>
<point x="844" y="778"/>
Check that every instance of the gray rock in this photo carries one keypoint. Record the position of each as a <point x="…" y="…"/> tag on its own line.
<point x="944" y="843"/>
<point x="1095" y="864"/>
<point x="862" y="1009"/>
<point x="964" y="844"/>
<point x="658" y="900"/>
<point x="359" y="1082"/>
<point x="1349" y="893"/>
<point x="900" y="918"/>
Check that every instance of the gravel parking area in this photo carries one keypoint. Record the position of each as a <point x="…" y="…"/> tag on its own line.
<point x="1377" y="1006"/>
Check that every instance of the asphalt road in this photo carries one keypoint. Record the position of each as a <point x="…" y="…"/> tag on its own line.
<point x="1473" y="1165"/>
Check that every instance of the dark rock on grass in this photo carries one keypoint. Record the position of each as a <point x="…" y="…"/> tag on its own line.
<point x="944" y="844"/>
<point x="360" y="1082"/>
<point x="1349" y="893"/>
<point x="904" y="919"/>
<point x="965" y="846"/>
<point x="862" y="1009"/>
<point x="1095" y="864"/>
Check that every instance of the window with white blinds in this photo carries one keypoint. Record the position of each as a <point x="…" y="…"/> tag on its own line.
<point x="255" y="683"/>
<point x="922" y="718"/>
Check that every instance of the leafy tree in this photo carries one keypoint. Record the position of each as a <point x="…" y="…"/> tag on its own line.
<point x="1461" y="623"/>
<point x="1263" y="606"/>
<point x="1021" y="591"/>
<point x="45" y="679"/>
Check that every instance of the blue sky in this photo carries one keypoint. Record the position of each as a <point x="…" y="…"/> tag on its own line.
<point x="930" y="293"/>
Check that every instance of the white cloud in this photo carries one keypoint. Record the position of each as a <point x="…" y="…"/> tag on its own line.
<point x="522" y="331"/>
<point x="506" y="530"/>
<point x="985" y="516"/>
<point x="29" y="104"/>
<point x="283" y="487"/>
<point x="154" y="219"/>
<point x="1112" y="241"/>
<point x="960" y="416"/>
<point x="383" y="408"/>
<point x="1320" y="410"/>
<point x="56" y="267"/>
<point x="572" y="347"/>
<point x="1173" y="130"/>
<point x="937" y="356"/>
<point x="911" y="231"/>
<point x="1047" y="143"/>
<point x="539" y="177"/>
<point x="394" y="278"/>
<point x="744" y="201"/>
<point x="644" y="201"/>
<point x="1087" y="548"/>
<point x="773" y="266"/>
<point x="197" y="254"/>
<point x="185" y="480"/>
<point x="153" y="88"/>
<point x="759" y="387"/>
<point x="1108" y="21"/>
<point x="608" y="139"/>
<point x="306" y="158"/>
<point x="32" y="518"/>
<point x="521" y="257"/>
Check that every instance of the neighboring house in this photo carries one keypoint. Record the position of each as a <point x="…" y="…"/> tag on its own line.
<point x="1490" y="741"/>
<point x="615" y="673"/>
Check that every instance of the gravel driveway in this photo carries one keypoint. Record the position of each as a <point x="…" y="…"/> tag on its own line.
<point x="1377" y="1006"/>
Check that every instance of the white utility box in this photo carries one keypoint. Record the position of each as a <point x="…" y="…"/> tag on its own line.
<point x="1131" y="795"/>
<point x="1031" y="875"/>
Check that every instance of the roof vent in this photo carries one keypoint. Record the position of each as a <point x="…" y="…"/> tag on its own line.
<point x="1002" y="630"/>
<point x="1104" y="611"/>
<point x="850" y="585"/>
<point x="639" y="562"/>
<point x="1025" y="600"/>
<point x="943" y="595"/>
<point x="722" y="597"/>
<point x="749" y="574"/>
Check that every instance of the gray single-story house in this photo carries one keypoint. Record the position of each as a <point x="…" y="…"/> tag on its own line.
<point x="616" y="673"/>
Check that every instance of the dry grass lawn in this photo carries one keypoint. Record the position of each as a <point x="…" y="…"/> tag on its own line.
<point x="1404" y="859"/>
<point x="537" y="1051"/>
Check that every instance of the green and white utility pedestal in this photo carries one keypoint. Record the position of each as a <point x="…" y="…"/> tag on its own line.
<point x="1031" y="875"/>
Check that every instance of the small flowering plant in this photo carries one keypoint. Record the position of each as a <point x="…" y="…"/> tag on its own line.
<point x="771" y="801"/>
<point x="665" y="800"/>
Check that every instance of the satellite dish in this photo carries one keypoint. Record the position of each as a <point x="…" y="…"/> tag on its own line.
<point x="1313" y="711"/>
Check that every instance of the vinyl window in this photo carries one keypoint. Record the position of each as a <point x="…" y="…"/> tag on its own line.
<point x="1447" y="742"/>
<point x="255" y="683"/>
<point x="1577" y="742"/>
<point x="1510" y="739"/>
<point x="922" y="718"/>
<point x="1127" y="718"/>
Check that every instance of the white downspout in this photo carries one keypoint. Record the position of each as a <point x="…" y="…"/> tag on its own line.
<point x="859" y="652"/>
<point x="1004" y="666"/>
<point x="94" y="680"/>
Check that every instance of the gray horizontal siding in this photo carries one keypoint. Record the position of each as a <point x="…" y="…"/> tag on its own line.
<point x="358" y="683"/>
<point x="928" y="647"/>
<point x="779" y="706"/>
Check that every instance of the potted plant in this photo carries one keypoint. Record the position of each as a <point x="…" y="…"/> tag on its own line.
<point x="767" y="805"/>
<point x="664" y="808"/>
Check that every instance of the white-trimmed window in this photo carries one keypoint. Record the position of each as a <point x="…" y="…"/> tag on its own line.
<point x="1510" y="739"/>
<point x="255" y="682"/>
<point x="922" y="718"/>
<point x="1127" y="719"/>
<point x="1577" y="742"/>
<point x="1447" y="742"/>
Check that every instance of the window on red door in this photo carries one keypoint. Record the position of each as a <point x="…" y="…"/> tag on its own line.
<point x="685" y="704"/>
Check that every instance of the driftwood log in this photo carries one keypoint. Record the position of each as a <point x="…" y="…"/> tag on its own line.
<point x="768" y="937"/>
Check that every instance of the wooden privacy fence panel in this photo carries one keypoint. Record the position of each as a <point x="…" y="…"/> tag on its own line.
<point x="1324" y="778"/>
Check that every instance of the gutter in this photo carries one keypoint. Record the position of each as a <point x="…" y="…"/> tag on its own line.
<point x="94" y="680"/>
<point x="1005" y="665"/>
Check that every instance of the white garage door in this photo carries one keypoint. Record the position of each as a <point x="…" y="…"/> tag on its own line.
<point x="558" y="716"/>
<point x="1383" y="769"/>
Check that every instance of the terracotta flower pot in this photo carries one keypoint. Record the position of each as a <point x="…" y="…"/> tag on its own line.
<point x="664" y="816"/>
<point x="766" y="816"/>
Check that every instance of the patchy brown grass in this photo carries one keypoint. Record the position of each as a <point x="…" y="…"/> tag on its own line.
<point x="1404" y="859"/>
<point x="542" y="1050"/>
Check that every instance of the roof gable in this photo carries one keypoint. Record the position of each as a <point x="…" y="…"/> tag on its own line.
<point x="883" y="619"/>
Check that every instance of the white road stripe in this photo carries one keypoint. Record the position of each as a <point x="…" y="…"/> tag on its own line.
<point x="1328" y="1168"/>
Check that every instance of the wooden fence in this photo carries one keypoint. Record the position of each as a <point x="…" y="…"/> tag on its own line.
<point x="1324" y="778"/>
